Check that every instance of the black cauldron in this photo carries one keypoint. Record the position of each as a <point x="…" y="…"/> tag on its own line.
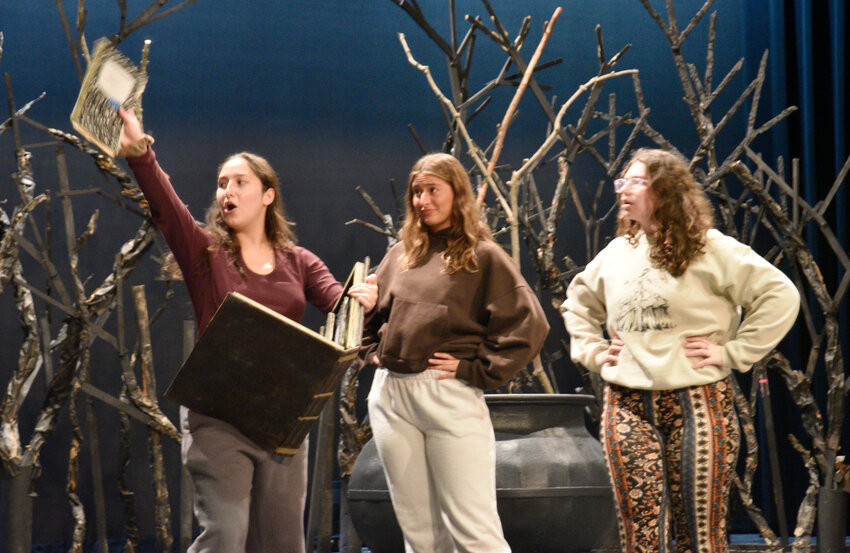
<point x="552" y="490"/>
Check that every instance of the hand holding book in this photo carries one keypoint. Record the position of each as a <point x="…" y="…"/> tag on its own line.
<point x="366" y="292"/>
<point x="134" y="142"/>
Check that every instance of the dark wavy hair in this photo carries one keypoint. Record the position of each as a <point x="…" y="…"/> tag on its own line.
<point x="277" y="225"/>
<point x="466" y="227"/>
<point x="681" y="211"/>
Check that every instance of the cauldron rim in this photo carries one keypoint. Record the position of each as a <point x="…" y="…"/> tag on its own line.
<point x="525" y="399"/>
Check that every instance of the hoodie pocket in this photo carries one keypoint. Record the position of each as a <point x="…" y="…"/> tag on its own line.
<point x="415" y="330"/>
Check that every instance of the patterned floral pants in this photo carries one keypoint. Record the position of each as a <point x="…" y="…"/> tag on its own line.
<point x="671" y="456"/>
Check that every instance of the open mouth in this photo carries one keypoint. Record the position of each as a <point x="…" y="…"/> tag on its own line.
<point x="228" y="207"/>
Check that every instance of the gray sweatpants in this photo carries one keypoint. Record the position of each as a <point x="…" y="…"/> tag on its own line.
<point x="246" y="500"/>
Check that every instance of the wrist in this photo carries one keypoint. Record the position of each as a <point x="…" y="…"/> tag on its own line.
<point x="137" y="148"/>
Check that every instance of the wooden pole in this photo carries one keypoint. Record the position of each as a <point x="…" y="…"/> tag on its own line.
<point x="319" y="516"/>
<point x="187" y="491"/>
<point x="97" y="478"/>
<point x="19" y="511"/>
<point x="773" y="455"/>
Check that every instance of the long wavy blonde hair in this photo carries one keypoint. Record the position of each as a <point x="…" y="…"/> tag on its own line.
<point x="681" y="211"/>
<point x="466" y="227"/>
<point x="277" y="226"/>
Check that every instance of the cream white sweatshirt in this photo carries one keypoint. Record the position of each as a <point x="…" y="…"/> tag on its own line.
<point x="730" y="295"/>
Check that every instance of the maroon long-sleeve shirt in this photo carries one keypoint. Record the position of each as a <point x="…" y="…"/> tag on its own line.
<point x="299" y="275"/>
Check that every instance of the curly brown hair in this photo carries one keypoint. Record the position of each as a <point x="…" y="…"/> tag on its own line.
<point x="277" y="225"/>
<point x="466" y="227"/>
<point x="681" y="211"/>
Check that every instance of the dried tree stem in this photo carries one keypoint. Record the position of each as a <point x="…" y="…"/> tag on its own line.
<point x="506" y="120"/>
<point x="162" y="508"/>
<point x="473" y="148"/>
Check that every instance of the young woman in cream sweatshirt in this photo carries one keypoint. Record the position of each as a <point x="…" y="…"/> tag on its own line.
<point x="664" y="313"/>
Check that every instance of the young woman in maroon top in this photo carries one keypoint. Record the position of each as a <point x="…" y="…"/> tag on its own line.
<point x="245" y="497"/>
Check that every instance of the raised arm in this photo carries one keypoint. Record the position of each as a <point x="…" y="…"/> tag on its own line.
<point x="184" y="236"/>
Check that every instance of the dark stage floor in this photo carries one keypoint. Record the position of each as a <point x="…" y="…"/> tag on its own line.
<point x="739" y="543"/>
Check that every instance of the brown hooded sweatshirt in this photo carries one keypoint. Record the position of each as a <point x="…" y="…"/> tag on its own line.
<point x="489" y="319"/>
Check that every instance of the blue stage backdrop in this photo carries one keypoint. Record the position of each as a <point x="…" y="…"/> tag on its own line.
<point x="324" y="91"/>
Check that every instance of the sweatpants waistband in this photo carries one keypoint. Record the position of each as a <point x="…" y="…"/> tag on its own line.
<point x="427" y="374"/>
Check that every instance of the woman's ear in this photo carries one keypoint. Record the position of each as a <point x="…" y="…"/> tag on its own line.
<point x="268" y="196"/>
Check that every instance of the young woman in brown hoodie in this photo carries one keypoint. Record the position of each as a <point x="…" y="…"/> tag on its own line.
<point x="454" y="317"/>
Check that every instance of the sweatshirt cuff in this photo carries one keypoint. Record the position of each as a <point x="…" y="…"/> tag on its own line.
<point x="732" y="363"/>
<point x="365" y="354"/>
<point x="599" y="361"/>
<point x="138" y="148"/>
<point x="464" y="370"/>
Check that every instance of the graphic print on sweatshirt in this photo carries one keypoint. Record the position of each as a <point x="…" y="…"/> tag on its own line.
<point x="643" y="310"/>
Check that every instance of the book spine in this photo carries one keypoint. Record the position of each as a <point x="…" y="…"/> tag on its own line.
<point x="355" y="311"/>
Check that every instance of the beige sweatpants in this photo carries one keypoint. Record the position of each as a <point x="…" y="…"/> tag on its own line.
<point x="437" y="448"/>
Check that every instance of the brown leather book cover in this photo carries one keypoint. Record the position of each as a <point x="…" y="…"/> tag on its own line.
<point x="265" y="374"/>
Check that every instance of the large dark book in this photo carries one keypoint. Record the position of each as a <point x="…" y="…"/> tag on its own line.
<point x="265" y="374"/>
<point x="110" y="79"/>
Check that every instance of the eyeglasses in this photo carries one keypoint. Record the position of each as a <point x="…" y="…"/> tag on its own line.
<point x="622" y="184"/>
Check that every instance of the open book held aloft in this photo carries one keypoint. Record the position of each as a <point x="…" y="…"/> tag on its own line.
<point x="265" y="374"/>
<point x="110" y="79"/>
